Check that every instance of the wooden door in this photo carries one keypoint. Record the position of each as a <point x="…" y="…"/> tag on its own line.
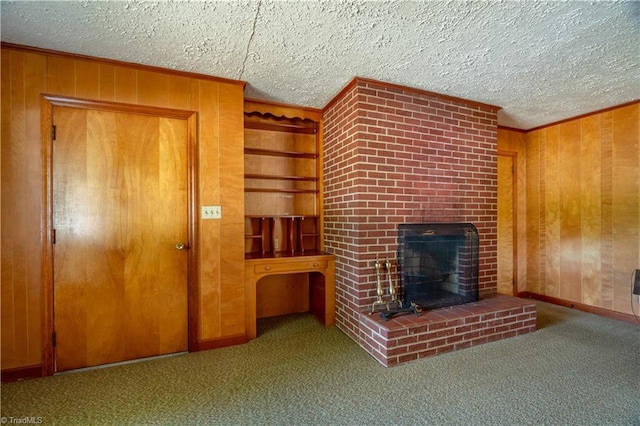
<point x="506" y="225"/>
<point x="119" y="209"/>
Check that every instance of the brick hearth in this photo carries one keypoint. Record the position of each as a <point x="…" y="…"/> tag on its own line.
<point x="407" y="338"/>
<point x="395" y="155"/>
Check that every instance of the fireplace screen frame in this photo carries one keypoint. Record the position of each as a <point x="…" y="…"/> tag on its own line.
<point x="438" y="264"/>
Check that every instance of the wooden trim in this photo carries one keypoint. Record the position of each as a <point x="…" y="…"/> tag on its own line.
<point x="140" y="67"/>
<point x="320" y="184"/>
<point x="469" y="102"/>
<point x="46" y="124"/>
<point x="193" y="266"/>
<point x="71" y="102"/>
<point x="511" y="129"/>
<point x="262" y="106"/>
<point x="21" y="373"/>
<point x="577" y="117"/>
<point x="47" y="105"/>
<point x="340" y="94"/>
<point x="221" y="342"/>
<point x="357" y="80"/>
<point x="631" y="319"/>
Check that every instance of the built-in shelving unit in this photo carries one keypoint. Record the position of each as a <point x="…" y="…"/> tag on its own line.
<point x="286" y="270"/>
<point x="282" y="182"/>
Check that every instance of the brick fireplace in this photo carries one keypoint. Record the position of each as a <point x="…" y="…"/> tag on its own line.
<point x="396" y="155"/>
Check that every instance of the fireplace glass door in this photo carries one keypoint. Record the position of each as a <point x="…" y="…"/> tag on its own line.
<point x="438" y="263"/>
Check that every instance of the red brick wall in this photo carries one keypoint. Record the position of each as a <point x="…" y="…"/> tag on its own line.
<point x="398" y="155"/>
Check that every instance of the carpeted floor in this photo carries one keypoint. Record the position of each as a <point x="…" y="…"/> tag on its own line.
<point x="577" y="369"/>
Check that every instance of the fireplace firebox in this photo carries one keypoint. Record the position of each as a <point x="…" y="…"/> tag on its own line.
<point x="438" y="263"/>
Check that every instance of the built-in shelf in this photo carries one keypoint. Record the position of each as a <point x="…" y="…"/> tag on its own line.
<point x="282" y="183"/>
<point x="298" y="234"/>
<point x="284" y="191"/>
<point x="278" y="177"/>
<point x="280" y="127"/>
<point x="280" y="153"/>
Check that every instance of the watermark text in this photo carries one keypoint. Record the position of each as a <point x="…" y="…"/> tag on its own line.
<point x="26" y="420"/>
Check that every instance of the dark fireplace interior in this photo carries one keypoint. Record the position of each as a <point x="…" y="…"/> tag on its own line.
<point x="438" y="263"/>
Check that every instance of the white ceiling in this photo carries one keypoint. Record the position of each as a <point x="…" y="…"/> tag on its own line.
<point x="540" y="61"/>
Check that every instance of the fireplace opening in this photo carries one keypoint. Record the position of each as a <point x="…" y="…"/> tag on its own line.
<point x="438" y="263"/>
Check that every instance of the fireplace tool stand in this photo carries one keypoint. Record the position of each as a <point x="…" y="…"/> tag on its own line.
<point x="394" y="306"/>
<point x="393" y="289"/>
<point x="379" y="289"/>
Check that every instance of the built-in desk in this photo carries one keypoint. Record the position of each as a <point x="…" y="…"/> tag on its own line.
<point x="322" y="288"/>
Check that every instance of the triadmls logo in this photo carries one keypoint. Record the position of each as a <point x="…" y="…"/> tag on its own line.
<point x="28" y="420"/>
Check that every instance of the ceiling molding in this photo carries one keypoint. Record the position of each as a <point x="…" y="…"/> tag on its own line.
<point x="141" y="67"/>
<point x="578" y="117"/>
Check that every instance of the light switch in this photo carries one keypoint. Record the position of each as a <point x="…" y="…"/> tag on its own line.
<point x="211" y="212"/>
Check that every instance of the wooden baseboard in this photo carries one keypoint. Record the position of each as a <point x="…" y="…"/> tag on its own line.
<point x="222" y="342"/>
<point x="33" y="371"/>
<point x="582" y="307"/>
<point x="20" y="373"/>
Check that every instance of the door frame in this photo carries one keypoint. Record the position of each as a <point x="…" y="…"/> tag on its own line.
<point x="47" y="104"/>
<point x="514" y="208"/>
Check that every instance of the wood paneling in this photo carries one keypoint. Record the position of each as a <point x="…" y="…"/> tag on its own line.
<point x="107" y="82"/>
<point x="506" y="223"/>
<point x="231" y="131"/>
<point x="591" y="210"/>
<point x="26" y="74"/>
<point x="551" y="211"/>
<point x="583" y="209"/>
<point x="606" y="181"/>
<point x="569" y="190"/>
<point x="625" y="194"/>
<point x="534" y="260"/>
<point x="23" y="79"/>
<point x="514" y="142"/>
<point x="282" y="295"/>
<point x="125" y="89"/>
<point x="206" y="94"/>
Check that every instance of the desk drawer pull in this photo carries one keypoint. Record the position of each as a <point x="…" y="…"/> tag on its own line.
<point x="267" y="268"/>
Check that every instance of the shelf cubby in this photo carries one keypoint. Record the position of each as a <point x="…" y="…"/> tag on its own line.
<point x="277" y="235"/>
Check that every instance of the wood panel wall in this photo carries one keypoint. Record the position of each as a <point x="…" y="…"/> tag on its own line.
<point x="583" y="209"/>
<point x="511" y="141"/>
<point x="26" y="74"/>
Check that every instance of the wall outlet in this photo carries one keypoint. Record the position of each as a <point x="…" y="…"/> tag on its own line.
<point x="636" y="282"/>
<point x="211" y="212"/>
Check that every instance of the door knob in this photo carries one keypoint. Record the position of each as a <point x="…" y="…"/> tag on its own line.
<point x="181" y="246"/>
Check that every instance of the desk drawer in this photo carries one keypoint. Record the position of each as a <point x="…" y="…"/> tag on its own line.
<point x="290" y="266"/>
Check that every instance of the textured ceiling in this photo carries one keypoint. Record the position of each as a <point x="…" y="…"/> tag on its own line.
<point x="540" y="61"/>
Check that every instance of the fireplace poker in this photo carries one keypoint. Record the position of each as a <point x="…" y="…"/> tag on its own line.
<point x="393" y="290"/>
<point x="380" y="289"/>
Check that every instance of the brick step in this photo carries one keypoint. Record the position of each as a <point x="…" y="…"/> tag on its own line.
<point x="406" y="338"/>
